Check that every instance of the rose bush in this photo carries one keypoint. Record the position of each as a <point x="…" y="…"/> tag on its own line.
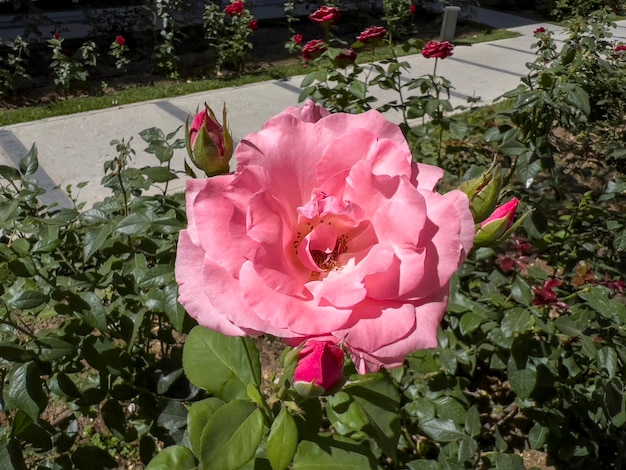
<point x="328" y="231"/>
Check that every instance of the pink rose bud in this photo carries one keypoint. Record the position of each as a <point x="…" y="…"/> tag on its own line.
<point x="494" y="229"/>
<point x="319" y="369"/>
<point x="483" y="192"/>
<point x="209" y="143"/>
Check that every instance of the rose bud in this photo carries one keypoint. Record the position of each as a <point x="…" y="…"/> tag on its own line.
<point x="345" y="58"/>
<point x="319" y="370"/>
<point x="313" y="49"/>
<point x="325" y="16"/>
<point x="209" y="143"/>
<point x="483" y="192"/>
<point x="495" y="228"/>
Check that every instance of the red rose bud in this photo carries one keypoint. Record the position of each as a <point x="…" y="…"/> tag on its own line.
<point x="495" y="228"/>
<point x="373" y="34"/>
<point x="313" y="49"/>
<point x="413" y="9"/>
<point x="437" y="50"/>
<point x="120" y="40"/>
<point x="209" y="144"/>
<point x="483" y="192"/>
<point x="253" y="25"/>
<point x="539" y="30"/>
<point x="326" y="16"/>
<point x="345" y="58"/>
<point x="297" y="38"/>
<point x="56" y="36"/>
<point x="620" y="48"/>
<point x="235" y="8"/>
<point x="319" y="369"/>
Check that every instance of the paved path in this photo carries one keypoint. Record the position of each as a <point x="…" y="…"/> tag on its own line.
<point x="73" y="148"/>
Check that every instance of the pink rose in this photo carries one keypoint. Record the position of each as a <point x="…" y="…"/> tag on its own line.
<point x="493" y="229"/>
<point x="209" y="143"/>
<point x="313" y="49"/>
<point x="437" y="49"/>
<point x="235" y="8"/>
<point x="327" y="231"/>
<point x="326" y="16"/>
<point x="372" y="34"/>
<point x="319" y="369"/>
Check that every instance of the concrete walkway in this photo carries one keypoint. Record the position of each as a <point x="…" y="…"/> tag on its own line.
<point x="73" y="148"/>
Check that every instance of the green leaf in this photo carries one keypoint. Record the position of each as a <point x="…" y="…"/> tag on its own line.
<point x="231" y="436"/>
<point x="332" y="453"/>
<point x="441" y="430"/>
<point x="537" y="436"/>
<point x="94" y="239"/>
<point x="23" y="390"/>
<point x="509" y="462"/>
<point x="523" y="381"/>
<point x="197" y="419"/>
<point x="95" y="314"/>
<point x="516" y="321"/>
<point x="173" y="458"/>
<point x="135" y="224"/>
<point x="159" y="174"/>
<point x="424" y="465"/>
<point x="11" y="457"/>
<point x="222" y="365"/>
<point x="521" y="291"/>
<point x="473" y="426"/>
<point x="283" y="440"/>
<point x="469" y="323"/>
<point x="29" y="164"/>
<point x="158" y="276"/>
<point x="28" y="299"/>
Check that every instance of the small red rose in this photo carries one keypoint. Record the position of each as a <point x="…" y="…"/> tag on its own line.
<point x="297" y="38"/>
<point x="620" y="48"/>
<point x="253" y="25"/>
<point x="437" y="49"/>
<point x="313" y="49"/>
<point x="326" y="16"/>
<point x="235" y="8"/>
<point x="371" y="34"/>
<point x="539" y="30"/>
<point x="120" y="40"/>
<point x="413" y="9"/>
<point x="56" y="36"/>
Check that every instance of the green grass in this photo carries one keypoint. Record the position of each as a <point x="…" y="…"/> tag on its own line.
<point x="73" y="105"/>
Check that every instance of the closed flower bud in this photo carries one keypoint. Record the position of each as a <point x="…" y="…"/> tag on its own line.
<point x="483" y="192"/>
<point x="319" y="370"/>
<point x="495" y="228"/>
<point x="209" y="143"/>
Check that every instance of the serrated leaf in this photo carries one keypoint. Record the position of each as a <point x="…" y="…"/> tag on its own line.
<point x="523" y="381"/>
<point x="222" y="365"/>
<point x="28" y="299"/>
<point x="173" y="458"/>
<point x="94" y="239"/>
<point x="29" y="164"/>
<point x="198" y="417"/>
<point x="231" y="436"/>
<point x="441" y="430"/>
<point x="158" y="276"/>
<point x="23" y="390"/>
<point x="537" y="436"/>
<point x="159" y="174"/>
<point x="95" y="315"/>
<point x="135" y="224"/>
<point x="469" y="323"/>
<point x="332" y="453"/>
<point x="283" y="440"/>
<point x="521" y="291"/>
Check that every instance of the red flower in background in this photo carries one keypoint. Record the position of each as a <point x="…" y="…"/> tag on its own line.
<point x="56" y="36"/>
<point x="253" y="25"/>
<point x="620" y="48"/>
<point x="313" y="49"/>
<point x="539" y="30"/>
<point x="545" y="294"/>
<point x="413" y="9"/>
<point x="326" y="16"/>
<point x="437" y="50"/>
<point x="373" y="33"/>
<point x="297" y="38"/>
<point x="120" y="40"/>
<point x="235" y="8"/>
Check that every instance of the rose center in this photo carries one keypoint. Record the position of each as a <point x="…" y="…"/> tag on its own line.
<point x="328" y="261"/>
